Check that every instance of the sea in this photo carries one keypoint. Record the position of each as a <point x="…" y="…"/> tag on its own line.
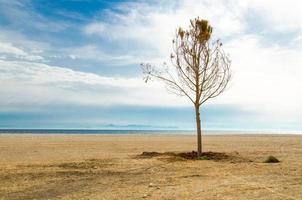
<point x="91" y="131"/>
<point x="155" y="132"/>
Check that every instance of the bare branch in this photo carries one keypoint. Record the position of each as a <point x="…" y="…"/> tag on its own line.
<point x="201" y="70"/>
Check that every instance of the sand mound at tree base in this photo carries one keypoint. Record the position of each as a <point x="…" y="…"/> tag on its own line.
<point x="215" y="156"/>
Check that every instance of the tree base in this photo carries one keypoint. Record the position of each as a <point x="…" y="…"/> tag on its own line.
<point x="193" y="155"/>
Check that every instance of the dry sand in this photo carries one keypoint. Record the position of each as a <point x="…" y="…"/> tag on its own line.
<point x="106" y="167"/>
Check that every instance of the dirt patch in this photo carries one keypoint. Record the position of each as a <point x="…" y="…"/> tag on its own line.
<point x="215" y="156"/>
<point x="89" y="164"/>
<point x="204" y="156"/>
<point x="149" y="154"/>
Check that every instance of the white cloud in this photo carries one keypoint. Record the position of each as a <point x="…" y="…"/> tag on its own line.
<point x="8" y="48"/>
<point x="93" y="52"/>
<point x="73" y="57"/>
<point x="281" y="16"/>
<point x="41" y="84"/>
<point x="150" y="28"/>
<point x="11" y="50"/>
<point x="94" y="28"/>
<point x="266" y="79"/>
<point x="20" y="41"/>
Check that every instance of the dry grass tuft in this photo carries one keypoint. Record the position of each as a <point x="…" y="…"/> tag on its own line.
<point x="271" y="159"/>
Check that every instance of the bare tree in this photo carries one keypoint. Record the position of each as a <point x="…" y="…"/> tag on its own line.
<point x="200" y="69"/>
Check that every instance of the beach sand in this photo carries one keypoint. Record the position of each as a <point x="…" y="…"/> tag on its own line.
<point x="107" y="167"/>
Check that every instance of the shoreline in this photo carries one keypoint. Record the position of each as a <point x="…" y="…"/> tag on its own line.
<point x="156" y="134"/>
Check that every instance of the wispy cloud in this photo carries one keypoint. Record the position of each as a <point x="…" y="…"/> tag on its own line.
<point x="23" y="14"/>
<point x="41" y="84"/>
<point x="146" y="30"/>
<point x="93" y="52"/>
<point x="9" y="50"/>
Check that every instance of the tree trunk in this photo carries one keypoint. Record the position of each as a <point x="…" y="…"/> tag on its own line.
<point x="198" y="126"/>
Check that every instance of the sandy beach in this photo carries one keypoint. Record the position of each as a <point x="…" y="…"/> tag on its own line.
<point x="108" y="167"/>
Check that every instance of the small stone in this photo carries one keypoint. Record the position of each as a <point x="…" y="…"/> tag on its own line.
<point x="151" y="185"/>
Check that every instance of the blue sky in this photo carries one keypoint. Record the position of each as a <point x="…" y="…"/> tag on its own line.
<point x="75" y="64"/>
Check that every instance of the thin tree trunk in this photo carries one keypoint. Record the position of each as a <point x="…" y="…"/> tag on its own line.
<point x="198" y="126"/>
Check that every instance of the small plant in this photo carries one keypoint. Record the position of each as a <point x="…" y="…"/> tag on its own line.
<point x="271" y="159"/>
<point x="203" y="158"/>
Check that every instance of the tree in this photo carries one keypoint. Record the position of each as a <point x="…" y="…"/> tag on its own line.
<point x="200" y="69"/>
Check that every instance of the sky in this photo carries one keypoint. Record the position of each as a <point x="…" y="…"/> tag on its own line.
<point x="76" y="64"/>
